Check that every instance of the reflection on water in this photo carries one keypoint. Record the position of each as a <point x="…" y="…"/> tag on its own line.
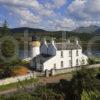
<point x="93" y="53"/>
<point x="22" y="55"/>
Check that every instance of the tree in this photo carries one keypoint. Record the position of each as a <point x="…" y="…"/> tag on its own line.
<point x="91" y="61"/>
<point x="7" y="48"/>
<point x="5" y="29"/>
<point x="84" y="80"/>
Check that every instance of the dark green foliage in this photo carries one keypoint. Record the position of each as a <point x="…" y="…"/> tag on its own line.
<point x="40" y="93"/>
<point x="6" y="67"/>
<point x="98" y="76"/>
<point x="7" y="48"/>
<point x="5" y="30"/>
<point x="91" y="61"/>
<point x="82" y="80"/>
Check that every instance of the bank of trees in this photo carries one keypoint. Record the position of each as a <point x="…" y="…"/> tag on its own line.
<point x="8" y="55"/>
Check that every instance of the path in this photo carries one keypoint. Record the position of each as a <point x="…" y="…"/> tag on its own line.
<point x="54" y="79"/>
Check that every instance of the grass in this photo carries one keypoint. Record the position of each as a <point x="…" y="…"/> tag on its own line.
<point x="26" y="82"/>
<point x="97" y="59"/>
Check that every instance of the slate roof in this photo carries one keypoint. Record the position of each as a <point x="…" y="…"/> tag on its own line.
<point x="67" y="46"/>
<point x="41" y="58"/>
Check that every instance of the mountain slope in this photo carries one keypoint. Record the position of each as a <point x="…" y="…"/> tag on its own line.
<point x="23" y="29"/>
<point x="90" y="29"/>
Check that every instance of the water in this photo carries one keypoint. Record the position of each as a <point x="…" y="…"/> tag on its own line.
<point x="93" y="53"/>
<point x="21" y="54"/>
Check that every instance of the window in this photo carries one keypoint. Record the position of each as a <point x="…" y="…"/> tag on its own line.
<point x="77" y="62"/>
<point x="62" y="64"/>
<point x="70" y="62"/>
<point x="54" y="66"/>
<point x="76" y="52"/>
<point x="83" y="61"/>
<point x="62" y="54"/>
<point x="70" y="53"/>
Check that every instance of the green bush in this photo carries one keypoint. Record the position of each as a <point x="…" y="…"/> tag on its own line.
<point x="91" y="61"/>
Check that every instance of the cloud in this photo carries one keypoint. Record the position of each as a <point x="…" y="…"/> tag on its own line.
<point x="32" y="13"/>
<point x="55" y="4"/>
<point x="76" y="9"/>
<point x="59" y="3"/>
<point x="85" y="11"/>
<point x="85" y="8"/>
<point x="93" y="6"/>
<point x="50" y="14"/>
<point x="28" y="12"/>
<point x="61" y="24"/>
<point x="21" y="3"/>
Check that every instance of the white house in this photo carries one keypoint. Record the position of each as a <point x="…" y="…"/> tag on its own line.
<point x="47" y="56"/>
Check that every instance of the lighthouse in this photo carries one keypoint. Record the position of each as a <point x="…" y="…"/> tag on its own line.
<point x="35" y="46"/>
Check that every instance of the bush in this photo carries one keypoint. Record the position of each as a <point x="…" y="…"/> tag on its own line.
<point x="25" y="63"/>
<point x="19" y="71"/>
<point x="91" y="61"/>
<point x="7" y="48"/>
<point x="5" y="72"/>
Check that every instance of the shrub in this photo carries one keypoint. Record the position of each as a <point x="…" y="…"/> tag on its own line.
<point x="91" y="61"/>
<point x="25" y="63"/>
<point x="21" y="70"/>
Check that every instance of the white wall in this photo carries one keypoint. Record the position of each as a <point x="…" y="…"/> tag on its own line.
<point x="75" y="57"/>
<point x="57" y="60"/>
<point x="49" y="64"/>
<point x="35" y="51"/>
<point x="16" y="79"/>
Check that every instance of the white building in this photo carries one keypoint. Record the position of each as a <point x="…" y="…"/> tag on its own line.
<point x="46" y="56"/>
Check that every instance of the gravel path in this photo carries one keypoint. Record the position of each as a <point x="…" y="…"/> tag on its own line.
<point x="54" y="79"/>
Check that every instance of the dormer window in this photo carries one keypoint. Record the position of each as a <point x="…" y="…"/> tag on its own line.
<point x="61" y="54"/>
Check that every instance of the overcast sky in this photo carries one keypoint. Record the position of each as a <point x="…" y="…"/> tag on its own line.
<point x="50" y="14"/>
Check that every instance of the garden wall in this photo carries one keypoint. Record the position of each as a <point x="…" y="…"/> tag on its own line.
<point x="67" y="70"/>
<point x="16" y="79"/>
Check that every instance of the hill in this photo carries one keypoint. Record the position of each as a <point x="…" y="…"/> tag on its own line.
<point x="90" y="29"/>
<point x="23" y="29"/>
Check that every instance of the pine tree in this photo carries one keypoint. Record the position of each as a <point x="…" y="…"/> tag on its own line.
<point x="5" y="29"/>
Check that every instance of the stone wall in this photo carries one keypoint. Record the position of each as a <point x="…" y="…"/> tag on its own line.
<point x="61" y="71"/>
<point x="16" y="79"/>
<point x="43" y="74"/>
<point x="66" y="70"/>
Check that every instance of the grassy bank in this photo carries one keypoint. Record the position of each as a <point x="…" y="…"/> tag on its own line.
<point x="26" y="82"/>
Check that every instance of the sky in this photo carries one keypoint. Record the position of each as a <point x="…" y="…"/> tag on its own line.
<point x="50" y="14"/>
